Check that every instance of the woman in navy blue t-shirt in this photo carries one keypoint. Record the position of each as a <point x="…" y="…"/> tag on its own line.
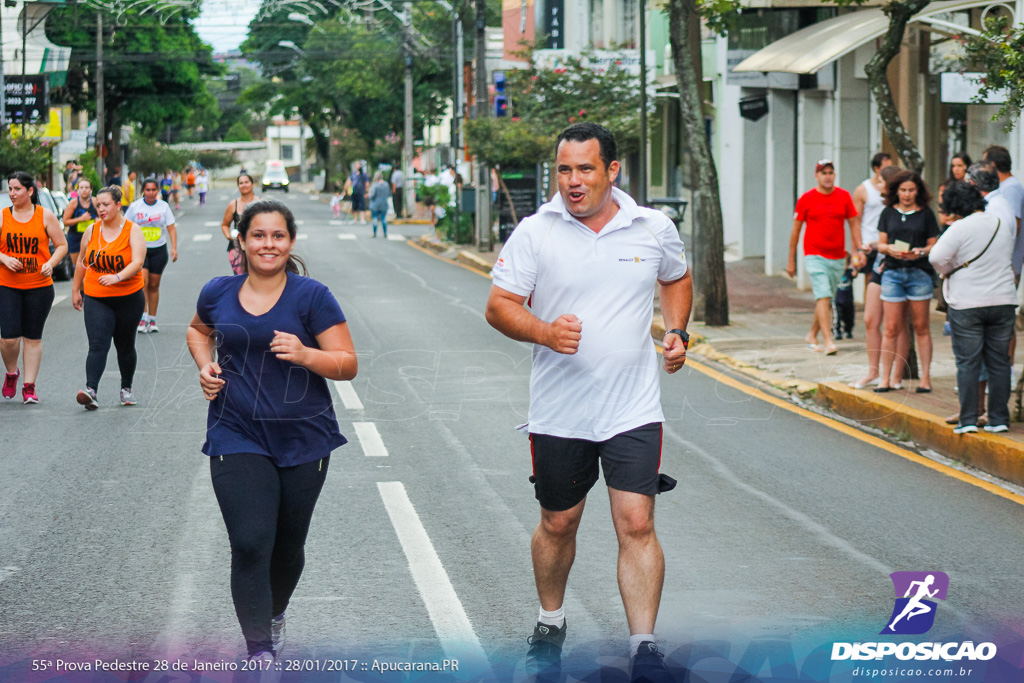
<point x="270" y="430"/>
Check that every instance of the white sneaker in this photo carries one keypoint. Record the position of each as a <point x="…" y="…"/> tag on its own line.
<point x="143" y="326"/>
<point x="127" y="397"/>
<point x="997" y="429"/>
<point x="152" y="328"/>
<point x="965" y="429"/>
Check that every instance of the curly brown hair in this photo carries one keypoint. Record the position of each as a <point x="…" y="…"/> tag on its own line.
<point x="892" y="194"/>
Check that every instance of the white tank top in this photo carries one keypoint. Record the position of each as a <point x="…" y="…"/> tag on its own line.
<point x="872" y="211"/>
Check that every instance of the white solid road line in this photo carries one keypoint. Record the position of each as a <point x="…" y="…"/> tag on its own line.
<point x="346" y="236"/>
<point x="202" y="237"/>
<point x="446" y="612"/>
<point x="369" y="439"/>
<point x="57" y="299"/>
<point x="348" y="395"/>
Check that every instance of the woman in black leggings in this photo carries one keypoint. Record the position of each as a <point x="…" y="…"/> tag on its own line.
<point x="269" y="433"/>
<point x="110" y="268"/>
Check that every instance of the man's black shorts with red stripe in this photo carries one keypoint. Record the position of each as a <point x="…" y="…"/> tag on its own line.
<point x="564" y="470"/>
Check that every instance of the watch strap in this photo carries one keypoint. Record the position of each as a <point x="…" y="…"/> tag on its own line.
<point x="682" y="335"/>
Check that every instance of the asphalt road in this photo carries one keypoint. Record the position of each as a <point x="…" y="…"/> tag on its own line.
<point x="778" y="539"/>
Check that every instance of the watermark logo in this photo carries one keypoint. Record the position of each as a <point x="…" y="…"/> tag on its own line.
<point x="916" y="593"/>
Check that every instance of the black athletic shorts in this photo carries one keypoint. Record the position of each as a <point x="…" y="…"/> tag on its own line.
<point x="358" y="202"/>
<point x="564" y="470"/>
<point x="23" y="312"/>
<point x="156" y="259"/>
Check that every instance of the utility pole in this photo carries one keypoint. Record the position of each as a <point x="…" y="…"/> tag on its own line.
<point x="407" y="151"/>
<point x="643" y="104"/>
<point x="483" y="176"/>
<point x="24" y="72"/>
<point x="3" y="83"/>
<point x="101" y="136"/>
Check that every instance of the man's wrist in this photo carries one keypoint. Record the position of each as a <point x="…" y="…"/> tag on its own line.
<point x="682" y="335"/>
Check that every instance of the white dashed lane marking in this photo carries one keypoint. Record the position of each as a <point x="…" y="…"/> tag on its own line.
<point x="396" y="238"/>
<point x="369" y="439"/>
<point x="212" y="224"/>
<point x="202" y="237"/>
<point x="348" y="395"/>
<point x="346" y="236"/>
<point x="446" y="611"/>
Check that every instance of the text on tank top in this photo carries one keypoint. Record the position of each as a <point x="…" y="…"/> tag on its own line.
<point x="27" y="242"/>
<point x="109" y="258"/>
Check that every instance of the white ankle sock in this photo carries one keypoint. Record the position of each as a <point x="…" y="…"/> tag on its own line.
<point x="556" y="618"/>
<point x="636" y="639"/>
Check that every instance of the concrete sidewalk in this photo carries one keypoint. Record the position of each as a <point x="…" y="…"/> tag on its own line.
<point x="769" y="319"/>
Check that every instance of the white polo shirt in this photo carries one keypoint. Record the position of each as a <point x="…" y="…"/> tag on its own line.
<point x="606" y="279"/>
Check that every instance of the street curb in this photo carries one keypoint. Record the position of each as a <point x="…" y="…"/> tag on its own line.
<point x="990" y="453"/>
<point x="470" y="259"/>
<point x="700" y="346"/>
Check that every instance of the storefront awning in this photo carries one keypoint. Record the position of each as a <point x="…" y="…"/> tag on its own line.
<point x="815" y="46"/>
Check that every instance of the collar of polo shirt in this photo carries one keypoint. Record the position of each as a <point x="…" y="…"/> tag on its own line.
<point x="629" y="211"/>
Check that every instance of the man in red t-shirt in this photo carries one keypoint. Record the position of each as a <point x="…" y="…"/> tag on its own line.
<point x="824" y="209"/>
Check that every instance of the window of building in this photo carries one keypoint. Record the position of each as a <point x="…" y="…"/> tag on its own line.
<point x="287" y="152"/>
<point x="628" y="27"/>
<point x="597" y="23"/>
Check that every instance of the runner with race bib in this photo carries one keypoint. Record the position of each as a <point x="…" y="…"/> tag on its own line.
<point x="154" y="216"/>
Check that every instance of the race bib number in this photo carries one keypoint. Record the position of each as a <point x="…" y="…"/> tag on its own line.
<point x="84" y="225"/>
<point x="151" y="234"/>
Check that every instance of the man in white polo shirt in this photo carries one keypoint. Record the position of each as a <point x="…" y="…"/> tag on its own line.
<point x="589" y="261"/>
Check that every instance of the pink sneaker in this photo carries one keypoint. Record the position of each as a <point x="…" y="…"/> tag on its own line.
<point x="28" y="393"/>
<point x="11" y="384"/>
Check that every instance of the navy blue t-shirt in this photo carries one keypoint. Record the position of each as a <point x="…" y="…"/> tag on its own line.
<point x="270" y="406"/>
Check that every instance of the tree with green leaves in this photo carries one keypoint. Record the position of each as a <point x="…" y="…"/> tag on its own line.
<point x="29" y="154"/>
<point x="154" y="70"/>
<point x="508" y="143"/>
<point x="149" y="157"/>
<point x="998" y="53"/>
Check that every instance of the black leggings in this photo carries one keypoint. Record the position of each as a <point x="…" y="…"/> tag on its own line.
<point x="112" y="318"/>
<point x="23" y="312"/>
<point x="267" y="510"/>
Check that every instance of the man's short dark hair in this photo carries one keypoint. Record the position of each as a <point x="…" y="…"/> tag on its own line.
<point x="876" y="161"/>
<point x="1000" y="156"/>
<point x="962" y="199"/>
<point x="983" y="175"/>
<point x="581" y="132"/>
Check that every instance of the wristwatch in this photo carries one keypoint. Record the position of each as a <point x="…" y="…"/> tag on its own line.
<point x="682" y="334"/>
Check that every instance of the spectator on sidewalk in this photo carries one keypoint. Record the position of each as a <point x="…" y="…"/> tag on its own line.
<point x="360" y="192"/>
<point x="1013" y="193"/>
<point x="865" y="203"/>
<point x="397" y="198"/>
<point x="824" y="209"/>
<point x="958" y="166"/>
<point x="907" y="229"/>
<point x="982" y="300"/>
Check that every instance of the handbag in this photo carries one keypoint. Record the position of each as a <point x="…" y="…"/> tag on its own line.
<point x="967" y="263"/>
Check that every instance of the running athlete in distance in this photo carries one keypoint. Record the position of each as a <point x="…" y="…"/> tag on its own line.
<point x="79" y="214"/>
<point x="232" y="215"/>
<point x="26" y="285"/>
<point x="589" y="261"/>
<point x="108" y="286"/>
<point x="269" y="440"/>
<point x="154" y="216"/>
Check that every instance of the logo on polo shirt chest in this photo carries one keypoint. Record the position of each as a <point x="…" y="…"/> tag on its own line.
<point x="635" y="259"/>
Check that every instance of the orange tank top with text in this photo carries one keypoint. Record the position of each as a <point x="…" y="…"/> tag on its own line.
<point x="29" y="243"/>
<point x="108" y="258"/>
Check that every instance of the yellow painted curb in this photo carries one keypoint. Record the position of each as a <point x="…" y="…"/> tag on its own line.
<point x="470" y="259"/>
<point x="990" y="453"/>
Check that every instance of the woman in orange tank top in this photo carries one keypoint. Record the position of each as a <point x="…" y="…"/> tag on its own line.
<point x="26" y="288"/>
<point x="110" y="272"/>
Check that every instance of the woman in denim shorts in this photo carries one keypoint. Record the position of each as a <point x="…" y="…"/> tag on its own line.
<point x="907" y="229"/>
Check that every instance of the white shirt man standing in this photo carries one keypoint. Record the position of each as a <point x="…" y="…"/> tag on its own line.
<point x="589" y="261"/>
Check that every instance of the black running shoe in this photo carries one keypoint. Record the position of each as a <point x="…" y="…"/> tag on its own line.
<point x="649" y="665"/>
<point x="544" y="658"/>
